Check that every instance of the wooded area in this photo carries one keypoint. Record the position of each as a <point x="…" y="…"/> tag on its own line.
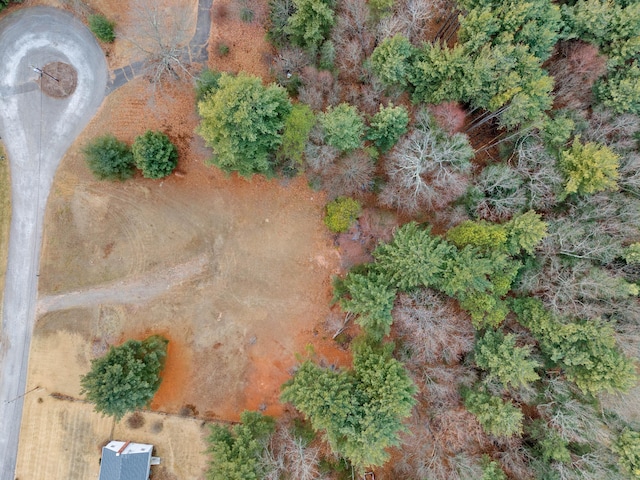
<point x="505" y="135"/>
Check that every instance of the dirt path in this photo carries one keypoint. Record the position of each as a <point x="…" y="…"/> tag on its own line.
<point x="133" y="290"/>
<point x="37" y="131"/>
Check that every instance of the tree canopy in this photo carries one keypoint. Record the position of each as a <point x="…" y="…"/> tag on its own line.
<point x="154" y="154"/>
<point x="235" y="451"/>
<point x="127" y="377"/>
<point x="360" y="411"/>
<point x="242" y="121"/>
<point x="109" y="159"/>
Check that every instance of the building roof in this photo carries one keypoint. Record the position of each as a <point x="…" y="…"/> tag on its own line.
<point x="125" y="461"/>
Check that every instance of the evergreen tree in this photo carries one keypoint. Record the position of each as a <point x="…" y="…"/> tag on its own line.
<point x="498" y="355"/>
<point x="387" y="126"/>
<point x="295" y="134"/>
<point x="524" y="232"/>
<point x="414" y="258"/>
<point x="154" y="154"/>
<point x="311" y="23"/>
<point x="372" y="299"/>
<point x="360" y="411"/>
<point x="391" y="60"/>
<point x="589" y="168"/>
<point x="242" y="121"/>
<point x="496" y="416"/>
<point x="586" y="349"/>
<point x="236" y="451"/>
<point x="127" y="377"/>
<point x="343" y="127"/>
<point x="627" y="447"/>
<point x="483" y="235"/>
<point x="109" y="159"/>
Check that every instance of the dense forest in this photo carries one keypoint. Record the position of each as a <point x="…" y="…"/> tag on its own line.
<point x="498" y="327"/>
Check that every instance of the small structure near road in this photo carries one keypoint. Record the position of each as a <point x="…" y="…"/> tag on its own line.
<point x="126" y="461"/>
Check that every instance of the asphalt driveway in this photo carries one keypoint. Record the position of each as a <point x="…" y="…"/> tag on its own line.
<point x="37" y="130"/>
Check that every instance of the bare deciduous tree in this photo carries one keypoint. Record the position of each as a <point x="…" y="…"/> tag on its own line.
<point x="427" y="169"/>
<point x="432" y="328"/>
<point x="289" y="456"/>
<point x="575" y="70"/>
<point x="320" y="89"/>
<point x="162" y="32"/>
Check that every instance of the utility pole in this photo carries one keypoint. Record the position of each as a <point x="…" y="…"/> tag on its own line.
<point x="41" y="72"/>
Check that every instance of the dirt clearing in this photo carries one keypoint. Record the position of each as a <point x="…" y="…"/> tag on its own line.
<point x="235" y="273"/>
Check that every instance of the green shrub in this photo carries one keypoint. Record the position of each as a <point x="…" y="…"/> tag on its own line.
<point x="154" y="154"/>
<point x="223" y="49"/>
<point x="206" y="83"/>
<point x="102" y="28"/>
<point x="246" y="15"/>
<point x="297" y="127"/>
<point x="341" y="213"/>
<point x="109" y="159"/>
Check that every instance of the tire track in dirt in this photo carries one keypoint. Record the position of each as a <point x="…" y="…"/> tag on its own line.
<point x="131" y="290"/>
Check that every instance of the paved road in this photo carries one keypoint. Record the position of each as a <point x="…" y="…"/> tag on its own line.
<point x="37" y="131"/>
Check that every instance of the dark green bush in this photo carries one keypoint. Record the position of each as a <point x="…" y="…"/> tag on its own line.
<point x="102" y="28"/>
<point x="154" y="154"/>
<point x="109" y="159"/>
<point x="206" y="83"/>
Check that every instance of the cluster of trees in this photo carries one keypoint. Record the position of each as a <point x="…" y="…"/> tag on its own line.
<point x="477" y="264"/>
<point x="111" y="159"/>
<point x="524" y="313"/>
<point x="127" y="377"/>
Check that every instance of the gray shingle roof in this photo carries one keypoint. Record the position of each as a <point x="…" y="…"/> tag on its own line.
<point x="131" y="464"/>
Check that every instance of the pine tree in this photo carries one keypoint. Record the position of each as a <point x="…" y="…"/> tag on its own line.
<point x="311" y="23"/>
<point x="154" y="154"/>
<point x="391" y="60"/>
<point x="343" y="127"/>
<point x="360" y="411"/>
<point x="242" y="121"/>
<point x="371" y="297"/>
<point x="586" y="349"/>
<point x="236" y="451"/>
<point x="525" y="232"/>
<point x="414" y="257"/>
<point x="627" y="447"/>
<point x="109" y="159"/>
<point x="498" y="355"/>
<point x="387" y="126"/>
<point x="496" y="416"/>
<point x="589" y="168"/>
<point x="127" y="377"/>
<point x="483" y="235"/>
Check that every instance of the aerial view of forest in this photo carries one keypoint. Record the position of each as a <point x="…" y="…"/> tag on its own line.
<point x="402" y="240"/>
